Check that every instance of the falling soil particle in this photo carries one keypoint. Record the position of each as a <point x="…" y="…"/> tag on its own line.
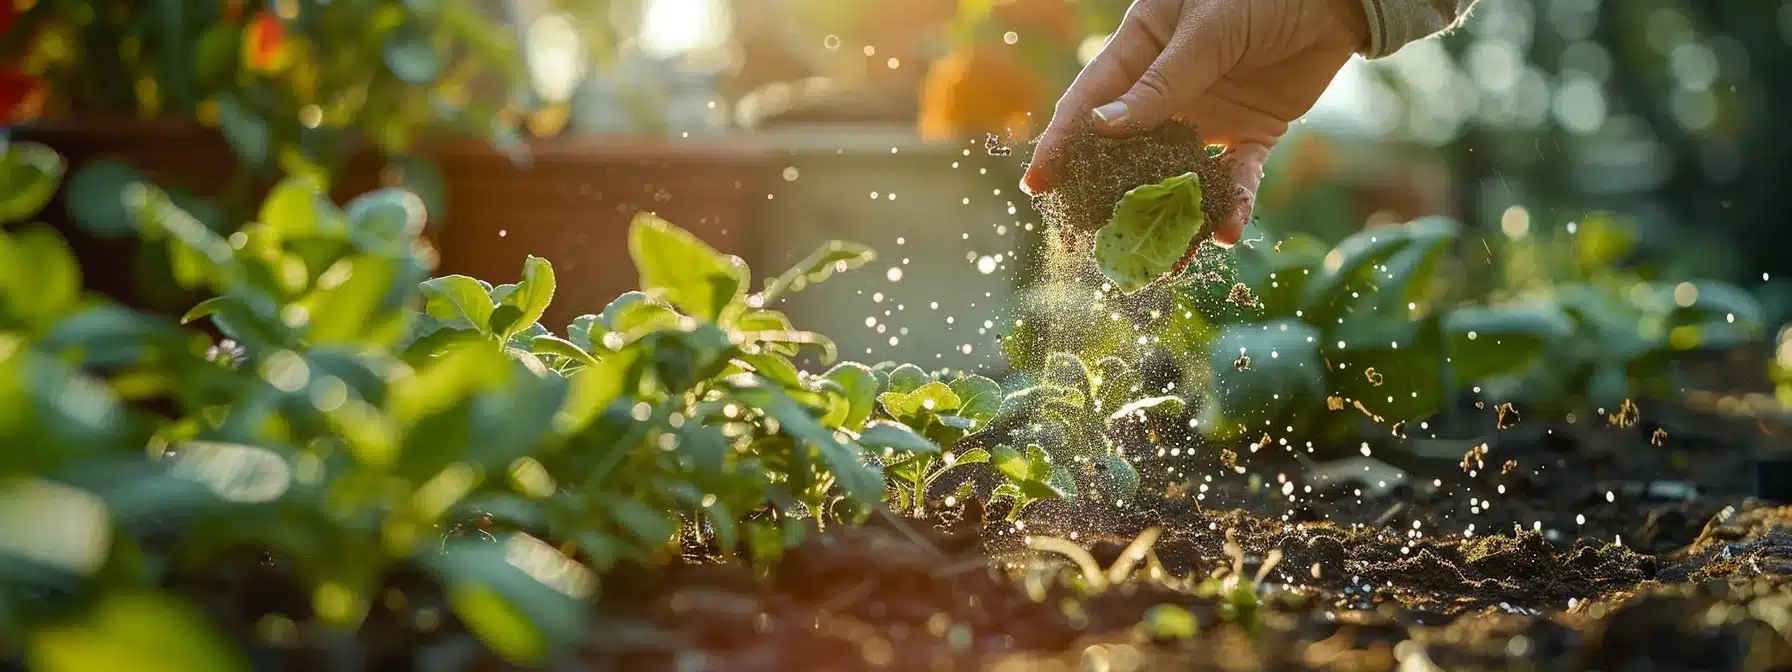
<point x="1508" y="416"/>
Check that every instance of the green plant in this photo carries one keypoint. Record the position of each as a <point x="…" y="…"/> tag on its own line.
<point x="365" y="421"/>
<point x="294" y="86"/>
<point x="1631" y="315"/>
<point x="942" y="411"/>
<point x="1356" y="326"/>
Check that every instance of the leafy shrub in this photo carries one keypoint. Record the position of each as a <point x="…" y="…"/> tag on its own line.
<point x="362" y="418"/>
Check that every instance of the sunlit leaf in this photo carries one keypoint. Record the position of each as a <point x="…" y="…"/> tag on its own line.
<point x="520" y="596"/>
<point x="907" y="378"/>
<point x="134" y="631"/>
<point x="1160" y="407"/>
<point x="458" y="297"/>
<point x="1491" y="341"/>
<point x="979" y="398"/>
<point x="686" y="272"/>
<point x="1153" y="227"/>
<point x="859" y="387"/>
<point x="895" y="436"/>
<point x="554" y="345"/>
<point x="530" y="299"/>
<point x="861" y="481"/>
<point x="30" y="174"/>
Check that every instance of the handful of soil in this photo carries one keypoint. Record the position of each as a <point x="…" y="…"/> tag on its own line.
<point x="1096" y="171"/>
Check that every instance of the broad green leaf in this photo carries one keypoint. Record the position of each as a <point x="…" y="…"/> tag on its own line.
<point x="458" y="297"/>
<point x="54" y="525"/>
<point x="859" y="387"/>
<point x="1068" y="370"/>
<point x="1152" y="230"/>
<point x="688" y="273"/>
<point x="979" y="398"/>
<point x="895" y="436"/>
<point x="350" y="311"/>
<point x="30" y="174"/>
<point x="297" y="208"/>
<point x="134" y="631"/>
<point x="39" y="277"/>
<point x="156" y="216"/>
<point x="934" y="397"/>
<point x="388" y="214"/>
<point x="775" y="368"/>
<point x="1352" y="265"/>
<point x="96" y="199"/>
<point x="520" y="596"/>
<point x="1118" y="480"/>
<point x="554" y="345"/>
<point x="108" y="335"/>
<point x="586" y="331"/>
<point x="907" y="378"/>
<point x="1409" y="271"/>
<point x="862" y="482"/>
<point x="531" y="297"/>
<point x="705" y="444"/>
<point x="246" y="133"/>
<point x="1485" y="342"/>
<point x="1283" y="369"/>
<point x="595" y="387"/>
<point x="1010" y="463"/>
<point x="410" y="56"/>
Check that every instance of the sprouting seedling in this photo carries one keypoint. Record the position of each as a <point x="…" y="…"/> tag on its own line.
<point x="1094" y="579"/>
<point x="1242" y="598"/>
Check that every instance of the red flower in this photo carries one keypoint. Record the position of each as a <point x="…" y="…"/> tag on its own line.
<point x="264" y="43"/>
<point x="21" y="95"/>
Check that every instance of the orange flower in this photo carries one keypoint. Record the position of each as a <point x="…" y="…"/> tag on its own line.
<point x="979" y="90"/>
<point x="265" y="47"/>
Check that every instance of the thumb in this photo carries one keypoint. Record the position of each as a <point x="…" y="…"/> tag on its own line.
<point x="1246" y="164"/>
<point x="1197" y="56"/>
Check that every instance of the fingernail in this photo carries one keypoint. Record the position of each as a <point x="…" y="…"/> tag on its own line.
<point x="1111" y="113"/>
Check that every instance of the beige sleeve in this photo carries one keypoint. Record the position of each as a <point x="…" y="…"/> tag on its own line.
<point x="1394" y="23"/>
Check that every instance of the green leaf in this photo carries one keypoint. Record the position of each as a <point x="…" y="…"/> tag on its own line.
<point x="1152" y="230"/>
<point x="520" y="596"/>
<point x="586" y="332"/>
<point x="1118" y="480"/>
<point x="1284" y="369"/>
<point x="1352" y="264"/>
<point x="410" y="56"/>
<point x="246" y="133"/>
<point x="979" y="398"/>
<point x="1011" y="464"/>
<point x="1714" y="302"/>
<point x="111" y="335"/>
<point x="297" y="208"/>
<point x="688" y="273"/>
<point x="388" y="214"/>
<point x="554" y="345"/>
<point x="352" y="312"/>
<point x="1068" y="370"/>
<point x="862" y="482"/>
<point x="134" y="631"/>
<point x="39" y="277"/>
<point x="96" y="199"/>
<point x="531" y="297"/>
<point x="1485" y="342"/>
<point x="775" y="368"/>
<point x="858" y="385"/>
<point x="215" y="56"/>
<point x="895" y="436"/>
<point x="934" y="397"/>
<point x="594" y="388"/>
<point x="907" y="378"/>
<point x="1409" y="271"/>
<point x="458" y="297"/>
<point x="30" y="174"/>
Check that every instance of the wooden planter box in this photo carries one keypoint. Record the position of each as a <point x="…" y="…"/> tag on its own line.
<point x="571" y="206"/>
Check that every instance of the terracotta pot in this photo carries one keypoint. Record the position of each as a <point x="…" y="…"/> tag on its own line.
<point x="573" y="205"/>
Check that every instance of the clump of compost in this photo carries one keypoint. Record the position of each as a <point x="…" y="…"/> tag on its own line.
<point x="1096" y="171"/>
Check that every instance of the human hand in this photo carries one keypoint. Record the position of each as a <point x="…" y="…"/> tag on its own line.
<point x="1240" y="70"/>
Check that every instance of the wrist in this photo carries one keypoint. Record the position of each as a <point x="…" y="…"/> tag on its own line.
<point x="1353" y="17"/>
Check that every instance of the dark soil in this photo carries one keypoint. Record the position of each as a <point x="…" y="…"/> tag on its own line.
<point x="1373" y="570"/>
<point x="1097" y="171"/>
<point x="1382" y="580"/>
